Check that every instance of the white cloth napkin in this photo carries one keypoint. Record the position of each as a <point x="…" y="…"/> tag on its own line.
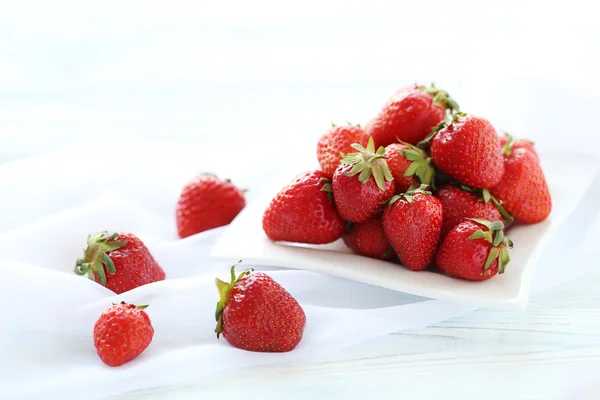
<point x="51" y="204"/>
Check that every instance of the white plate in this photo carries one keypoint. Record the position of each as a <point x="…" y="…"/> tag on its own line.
<point x="568" y="175"/>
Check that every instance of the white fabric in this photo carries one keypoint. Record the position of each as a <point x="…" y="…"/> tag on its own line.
<point x="50" y="204"/>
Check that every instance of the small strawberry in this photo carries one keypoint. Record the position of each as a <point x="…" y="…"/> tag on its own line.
<point x="119" y="261"/>
<point x="256" y="313"/>
<point x="523" y="191"/>
<point x="207" y="202"/>
<point x="476" y="249"/>
<point x="303" y="211"/>
<point x="368" y="238"/>
<point x="409" y="115"/>
<point x="398" y="165"/>
<point x="359" y="198"/>
<point x="412" y="223"/>
<point x="338" y="139"/>
<point x="122" y="333"/>
<point x="460" y="203"/>
<point x="508" y="140"/>
<point x="468" y="150"/>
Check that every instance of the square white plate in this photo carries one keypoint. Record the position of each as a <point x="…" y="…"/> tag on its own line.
<point x="246" y="240"/>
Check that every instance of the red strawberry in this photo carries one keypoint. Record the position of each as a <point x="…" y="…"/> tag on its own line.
<point x="122" y="333"/>
<point x="409" y="115"/>
<point x="468" y="150"/>
<point x="303" y="212"/>
<point x="517" y="144"/>
<point x="462" y="203"/>
<point x="476" y="249"/>
<point x="338" y="139"/>
<point x="398" y="165"/>
<point x="524" y="191"/>
<point x="368" y="239"/>
<point x="256" y="313"/>
<point x="359" y="198"/>
<point x="119" y="261"/>
<point x="412" y="223"/>
<point x="207" y="202"/>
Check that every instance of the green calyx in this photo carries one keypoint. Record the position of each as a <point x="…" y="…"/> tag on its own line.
<point x="454" y="116"/>
<point x="500" y="243"/>
<point x="95" y="257"/>
<point x="224" y="289"/>
<point x="408" y="196"/>
<point x="507" y="148"/>
<point x="141" y="307"/>
<point x="485" y="196"/>
<point x="421" y="165"/>
<point x="327" y="187"/>
<point x="367" y="162"/>
<point x="441" y="97"/>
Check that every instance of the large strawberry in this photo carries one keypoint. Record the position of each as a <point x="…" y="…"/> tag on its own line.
<point x="303" y="211"/>
<point x="412" y="223"/>
<point x="119" y="261"/>
<point x="468" y="150"/>
<point x="338" y="139"/>
<point x="122" y="333"/>
<point x="368" y="238"/>
<point x="513" y="143"/>
<point x="256" y="313"/>
<point x="398" y="164"/>
<point x="460" y="203"/>
<point x="207" y="202"/>
<point x="362" y="182"/>
<point x="410" y="114"/>
<point x="523" y="191"/>
<point x="476" y="249"/>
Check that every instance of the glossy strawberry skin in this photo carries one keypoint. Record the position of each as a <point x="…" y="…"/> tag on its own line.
<point x="413" y="229"/>
<point x="368" y="239"/>
<point x="398" y="165"/>
<point x="207" y="202"/>
<point x="338" y="139"/>
<point x="409" y="115"/>
<point x="524" y="191"/>
<point x="463" y="258"/>
<point x="122" y="333"/>
<point x="469" y="151"/>
<point x="520" y="144"/>
<point x="135" y="266"/>
<point x="356" y="201"/>
<point x="301" y="212"/>
<point x="260" y="315"/>
<point x="459" y="205"/>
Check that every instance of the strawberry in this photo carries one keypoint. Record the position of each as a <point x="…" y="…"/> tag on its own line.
<point x="476" y="249"/>
<point x="256" y="313"/>
<point x="409" y="115"/>
<point x="207" y="202"/>
<point x="119" y="261"/>
<point x="303" y="211"/>
<point x="460" y="203"/>
<point x="412" y="223"/>
<point x="359" y="198"/>
<point x="338" y="139"/>
<point x="523" y="191"/>
<point x="122" y="333"/>
<point x="468" y="150"/>
<point x="508" y="140"/>
<point x="368" y="239"/>
<point x="398" y="165"/>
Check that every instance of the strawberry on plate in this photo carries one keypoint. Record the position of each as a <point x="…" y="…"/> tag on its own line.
<point x="412" y="223"/>
<point x="122" y="333"/>
<point x="207" y="202"/>
<point x="304" y="212"/>
<point x="410" y="114"/>
<point x="255" y="313"/>
<point x="476" y="249"/>
<point x="338" y="139"/>
<point x="362" y="182"/>
<point x="119" y="261"/>
<point x="368" y="238"/>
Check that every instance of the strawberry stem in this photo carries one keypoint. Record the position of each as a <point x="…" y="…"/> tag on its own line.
<point x="225" y="289"/>
<point x="96" y="259"/>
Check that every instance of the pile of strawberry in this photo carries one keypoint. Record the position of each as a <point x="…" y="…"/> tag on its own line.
<point x="423" y="184"/>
